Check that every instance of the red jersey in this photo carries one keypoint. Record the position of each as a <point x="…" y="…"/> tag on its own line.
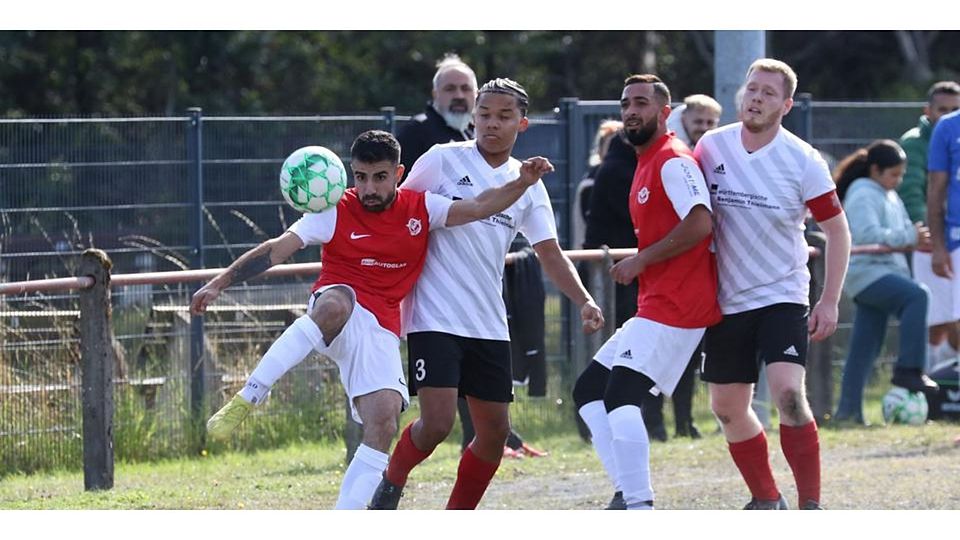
<point x="379" y="254"/>
<point x="680" y="291"/>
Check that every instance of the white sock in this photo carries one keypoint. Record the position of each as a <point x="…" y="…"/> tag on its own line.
<point x="631" y="450"/>
<point x="946" y="352"/>
<point x="287" y="351"/>
<point x="361" y="479"/>
<point x="594" y="414"/>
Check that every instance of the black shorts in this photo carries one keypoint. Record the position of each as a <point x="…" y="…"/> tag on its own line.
<point x="476" y="367"/>
<point x="736" y="346"/>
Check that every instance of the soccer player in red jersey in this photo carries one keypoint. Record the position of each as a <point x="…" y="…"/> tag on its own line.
<point x="374" y="245"/>
<point x="677" y="299"/>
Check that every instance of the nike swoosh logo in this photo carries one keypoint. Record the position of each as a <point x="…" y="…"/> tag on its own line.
<point x="355" y="236"/>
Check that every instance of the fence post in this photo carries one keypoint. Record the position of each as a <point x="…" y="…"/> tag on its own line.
<point x="819" y="362"/>
<point x="571" y="334"/>
<point x="197" y="365"/>
<point x="800" y="119"/>
<point x="389" y="119"/>
<point x="97" y="358"/>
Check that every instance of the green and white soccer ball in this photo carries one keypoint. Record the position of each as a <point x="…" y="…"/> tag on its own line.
<point x="901" y="406"/>
<point x="312" y="179"/>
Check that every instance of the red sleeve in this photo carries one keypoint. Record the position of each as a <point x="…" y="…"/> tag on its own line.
<point x="825" y="206"/>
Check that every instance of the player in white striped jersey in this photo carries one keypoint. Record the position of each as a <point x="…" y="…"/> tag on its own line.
<point x="455" y="318"/>
<point x="762" y="180"/>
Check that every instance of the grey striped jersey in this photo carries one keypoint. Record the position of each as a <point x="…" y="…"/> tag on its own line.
<point x="759" y="206"/>
<point x="459" y="290"/>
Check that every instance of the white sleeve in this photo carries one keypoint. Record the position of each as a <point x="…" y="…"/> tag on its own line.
<point x="685" y="186"/>
<point x="426" y="173"/>
<point x="438" y="207"/>
<point x="539" y="223"/>
<point x="316" y="228"/>
<point x="816" y="178"/>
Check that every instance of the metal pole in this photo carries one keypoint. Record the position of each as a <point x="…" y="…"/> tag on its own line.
<point x="389" y="119"/>
<point x="197" y="367"/>
<point x="734" y="51"/>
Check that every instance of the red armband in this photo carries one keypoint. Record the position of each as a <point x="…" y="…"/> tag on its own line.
<point x="825" y="206"/>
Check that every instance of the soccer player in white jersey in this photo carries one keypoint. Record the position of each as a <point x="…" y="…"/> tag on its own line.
<point x="454" y="317"/>
<point x="762" y="181"/>
<point x="677" y="299"/>
<point x="374" y="244"/>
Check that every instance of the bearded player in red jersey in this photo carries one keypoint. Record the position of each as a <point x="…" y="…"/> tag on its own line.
<point x="374" y="245"/>
<point x="670" y="210"/>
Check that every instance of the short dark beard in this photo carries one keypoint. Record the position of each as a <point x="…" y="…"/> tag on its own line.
<point x="642" y="136"/>
<point x="382" y="206"/>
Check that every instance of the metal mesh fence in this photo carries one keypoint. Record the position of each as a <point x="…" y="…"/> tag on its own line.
<point x="124" y="185"/>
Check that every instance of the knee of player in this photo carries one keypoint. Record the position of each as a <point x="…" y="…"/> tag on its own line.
<point x="590" y="385"/>
<point x="725" y="408"/>
<point x="332" y="309"/>
<point x="791" y="402"/>
<point x="626" y="387"/>
<point x="436" y="429"/>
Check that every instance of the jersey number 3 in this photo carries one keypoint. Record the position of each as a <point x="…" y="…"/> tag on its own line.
<point x="421" y="369"/>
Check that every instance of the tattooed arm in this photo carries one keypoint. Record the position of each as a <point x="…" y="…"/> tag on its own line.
<point x="249" y="265"/>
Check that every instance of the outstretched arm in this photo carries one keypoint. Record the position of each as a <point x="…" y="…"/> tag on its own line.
<point x="823" y="317"/>
<point x="696" y="226"/>
<point x="500" y="198"/>
<point x="562" y="273"/>
<point x="249" y="265"/>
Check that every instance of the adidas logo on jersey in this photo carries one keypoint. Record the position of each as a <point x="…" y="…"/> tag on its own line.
<point x="465" y="181"/>
<point x="791" y="351"/>
<point x="719" y="169"/>
<point x="626" y="354"/>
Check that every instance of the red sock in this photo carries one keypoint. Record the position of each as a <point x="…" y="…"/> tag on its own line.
<point x="473" y="477"/>
<point x="754" y="463"/>
<point x="405" y="457"/>
<point x="801" y="447"/>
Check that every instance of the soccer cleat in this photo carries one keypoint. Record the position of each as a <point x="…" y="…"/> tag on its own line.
<point x="658" y="433"/>
<point x="533" y="452"/>
<point x="811" y="505"/>
<point x="757" y="504"/>
<point x="386" y="497"/>
<point x="222" y="424"/>
<point x="617" y="502"/>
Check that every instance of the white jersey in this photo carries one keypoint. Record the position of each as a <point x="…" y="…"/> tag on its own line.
<point x="459" y="291"/>
<point x="759" y="206"/>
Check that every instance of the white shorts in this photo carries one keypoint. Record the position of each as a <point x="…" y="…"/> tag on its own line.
<point x="367" y="354"/>
<point x="658" y="351"/>
<point x="940" y="309"/>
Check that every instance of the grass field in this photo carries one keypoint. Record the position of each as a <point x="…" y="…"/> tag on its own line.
<point x="898" y="467"/>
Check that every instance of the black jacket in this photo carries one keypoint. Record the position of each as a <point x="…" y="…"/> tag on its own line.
<point x="609" y="219"/>
<point x="424" y="131"/>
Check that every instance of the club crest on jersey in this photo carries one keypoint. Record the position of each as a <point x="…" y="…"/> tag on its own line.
<point x="643" y="195"/>
<point x="414" y="226"/>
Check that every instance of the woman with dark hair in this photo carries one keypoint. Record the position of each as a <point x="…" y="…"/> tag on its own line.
<point x="880" y="283"/>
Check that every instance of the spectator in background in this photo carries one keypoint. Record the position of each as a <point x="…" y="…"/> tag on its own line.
<point x="581" y="210"/>
<point x="880" y="283"/>
<point x="699" y="114"/>
<point x="944" y="335"/>
<point x="449" y="118"/>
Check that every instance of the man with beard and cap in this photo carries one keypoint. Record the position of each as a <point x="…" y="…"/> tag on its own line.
<point x="448" y="117"/>
<point x="670" y="210"/>
<point x="374" y="247"/>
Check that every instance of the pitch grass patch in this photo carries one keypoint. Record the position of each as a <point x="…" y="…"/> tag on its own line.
<point x="897" y="467"/>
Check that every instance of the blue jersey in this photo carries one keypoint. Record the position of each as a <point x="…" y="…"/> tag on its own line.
<point x="944" y="156"/>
